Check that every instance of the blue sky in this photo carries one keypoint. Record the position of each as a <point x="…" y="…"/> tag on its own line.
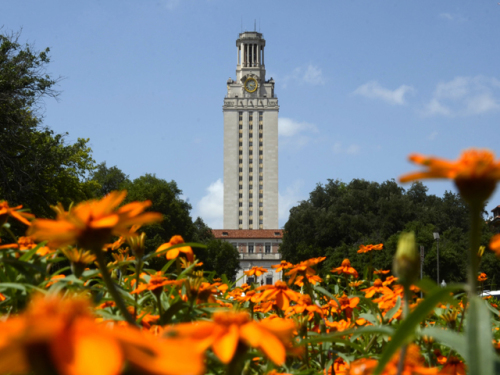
<point x="361" y="84"/>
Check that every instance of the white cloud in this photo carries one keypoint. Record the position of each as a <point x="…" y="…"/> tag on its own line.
<point x="353" y="149"/>
<point x="465" y="96"/>
<point x="211" y="206"/>
<point x="373" y="90"/>
<point x="288" y="127"/>
<point x="433" y="136"/>
<point x="290" y="198"/>
<point x="452" y="17"/>
<point x="311" y="75"/>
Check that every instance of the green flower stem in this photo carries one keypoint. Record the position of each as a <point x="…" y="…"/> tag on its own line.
<point x="406" y="312"/>
<point x="475" y="238"/>
<point x="110" y="285"/>
<point x="138" y="266"/>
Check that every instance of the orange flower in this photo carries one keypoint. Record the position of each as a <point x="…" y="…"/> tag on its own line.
<point x="280" y="292"/>
<point x="475" y="173"/>
<point x="377" y="287"/>
<point x="381" y="272"/>
<point x="155" y="284"/>
<point x="305" y="306"/>
<point x="54" y="279"/>
<point x="345" y="268"/>
<point x="339" y="326"/>
<point x="257" y="271"/>
<point x="174" y="253"/>
<point x="91" y="224"/>
<point x="6" y="211"/>
<point x="356" y="284"/>
<point x="60" y="336"/>
<point x="414" y="364"/>
<point x="229" y="328"/>
<point x="303" y="270"/>
<point x="284" y="265"/>
<point x="339" y="366"/>
<point x="482" y="277"/>
<point x="367" y="248"/>
<point x="348" y="304"/>
<point x="453" y="366"/>
<point x="495" y="244"/>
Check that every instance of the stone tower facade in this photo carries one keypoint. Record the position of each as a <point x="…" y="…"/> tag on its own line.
<point x="250" y="141"/>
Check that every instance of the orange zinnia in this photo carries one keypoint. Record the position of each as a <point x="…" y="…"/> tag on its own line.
<point x="60" y="336"/>
<point x="475" y="173"/>
<point x="303" y="270"/>
<point x="284" y="265"/>
<point x="414" y="364"/>
<point x="378" y="287"/>
<point x="345" y="268"/>
<point x="91" y="224"/>
<point x="367" y="248"/>
<point x="174" y="253"/>
<point x="257" y="271"/>
<point x="6" y="211"/>
<point x="482" y="277"/>
<point x="229" y="328"/>
<point x="495" y="244"/>
<point x="280" y="292"/>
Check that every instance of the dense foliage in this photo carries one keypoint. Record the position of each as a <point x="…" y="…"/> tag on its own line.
<point x="339" y="216"/>
<point x="37" y="167"/>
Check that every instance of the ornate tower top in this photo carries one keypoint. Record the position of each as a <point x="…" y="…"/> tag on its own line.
<point x="250" y="62"/>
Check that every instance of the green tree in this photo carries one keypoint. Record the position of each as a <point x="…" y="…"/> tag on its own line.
<point x="339" y="216"/>
<point x="221" y="257"/>
<point x="165" y="198"/>
<point x="109" y="179"/>
<point x="37" y="167"/>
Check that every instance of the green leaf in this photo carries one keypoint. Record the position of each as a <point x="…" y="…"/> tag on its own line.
<point x="13" y="286"/>
<point x="27" y="256"/>
<point x="167" y="316"/>
<point x="325" y="292"/>
<point x="480" y="356"/>
<point x="167" y="266"/>
<point x="406" y="330"/>
<point x="380" y="330"/>
<point x="452" y="339"/>
<point x="370" y="317"/>
<point x="393" y="311"/>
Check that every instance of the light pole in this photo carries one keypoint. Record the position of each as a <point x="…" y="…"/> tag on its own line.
<point x="436" y="237"/>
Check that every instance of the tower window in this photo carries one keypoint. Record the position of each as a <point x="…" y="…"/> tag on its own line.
<point x="267" y="248"/>
<point x="261" y="152"/>
<point x="241" y="213"/>
<point x="250" y="143"/>
<point x="250" y="126"/>
<point x="250" y="152"/>
<point x="250" y="178"/>
<point x="241" y="187"/>
<point x="261" y="178"/>
<point x="250" y="135"/>
<point x="250" y="161"/>
<point x="241" y="204"/>
<point x="250" y="204"/>
<point x="241" y="152"/>
<point x="241" y="221"/>
<point x="250" y="221"/>
<point x="260" y="143"/>
<point x="250" y="169"/>
<point x="261" y="195"/>
<point x="260" y="127"/>
<point x="241" y="143"/>
<point x="241" y="116"/>
<point x="241" y="127"/>
<point x="250" y="248"/>
<point x="240" y="195"/>
<point x="250" y="187"/>
<point x="261" y="204"/>
<point x="241" y="178"/>
<point x="241" y="169"/>
<point x="250" y="213"/>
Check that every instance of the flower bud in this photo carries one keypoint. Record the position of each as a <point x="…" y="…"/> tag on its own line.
<point x="406" y="264"/>
<point x="136" y="243"/>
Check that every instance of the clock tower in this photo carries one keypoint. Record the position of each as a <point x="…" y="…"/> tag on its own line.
<point x="250" y="141"/>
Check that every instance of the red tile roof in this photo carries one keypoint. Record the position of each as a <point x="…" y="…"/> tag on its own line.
<point x="247" y="233"/>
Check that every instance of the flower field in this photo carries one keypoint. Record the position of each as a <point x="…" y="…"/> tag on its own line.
<point x="75" y="302"/>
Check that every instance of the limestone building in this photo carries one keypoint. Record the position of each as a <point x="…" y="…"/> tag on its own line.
<point x="251" y="162"/>
<point x="250" y="141"/>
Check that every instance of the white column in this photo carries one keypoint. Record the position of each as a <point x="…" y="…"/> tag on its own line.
<point x="263" y="56"/>
<point x="237" y="55"/>
<point x="258" y="55"/>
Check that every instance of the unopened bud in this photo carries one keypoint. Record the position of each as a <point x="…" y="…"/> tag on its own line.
<point x="136" y="243"/>
<point x="406" y="265"/>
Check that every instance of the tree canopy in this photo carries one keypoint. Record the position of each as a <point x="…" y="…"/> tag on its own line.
<point x="38" y="167"/>
<point x="338" y="217"/>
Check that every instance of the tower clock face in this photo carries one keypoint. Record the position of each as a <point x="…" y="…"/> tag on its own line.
<point x="251" y="84"/>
